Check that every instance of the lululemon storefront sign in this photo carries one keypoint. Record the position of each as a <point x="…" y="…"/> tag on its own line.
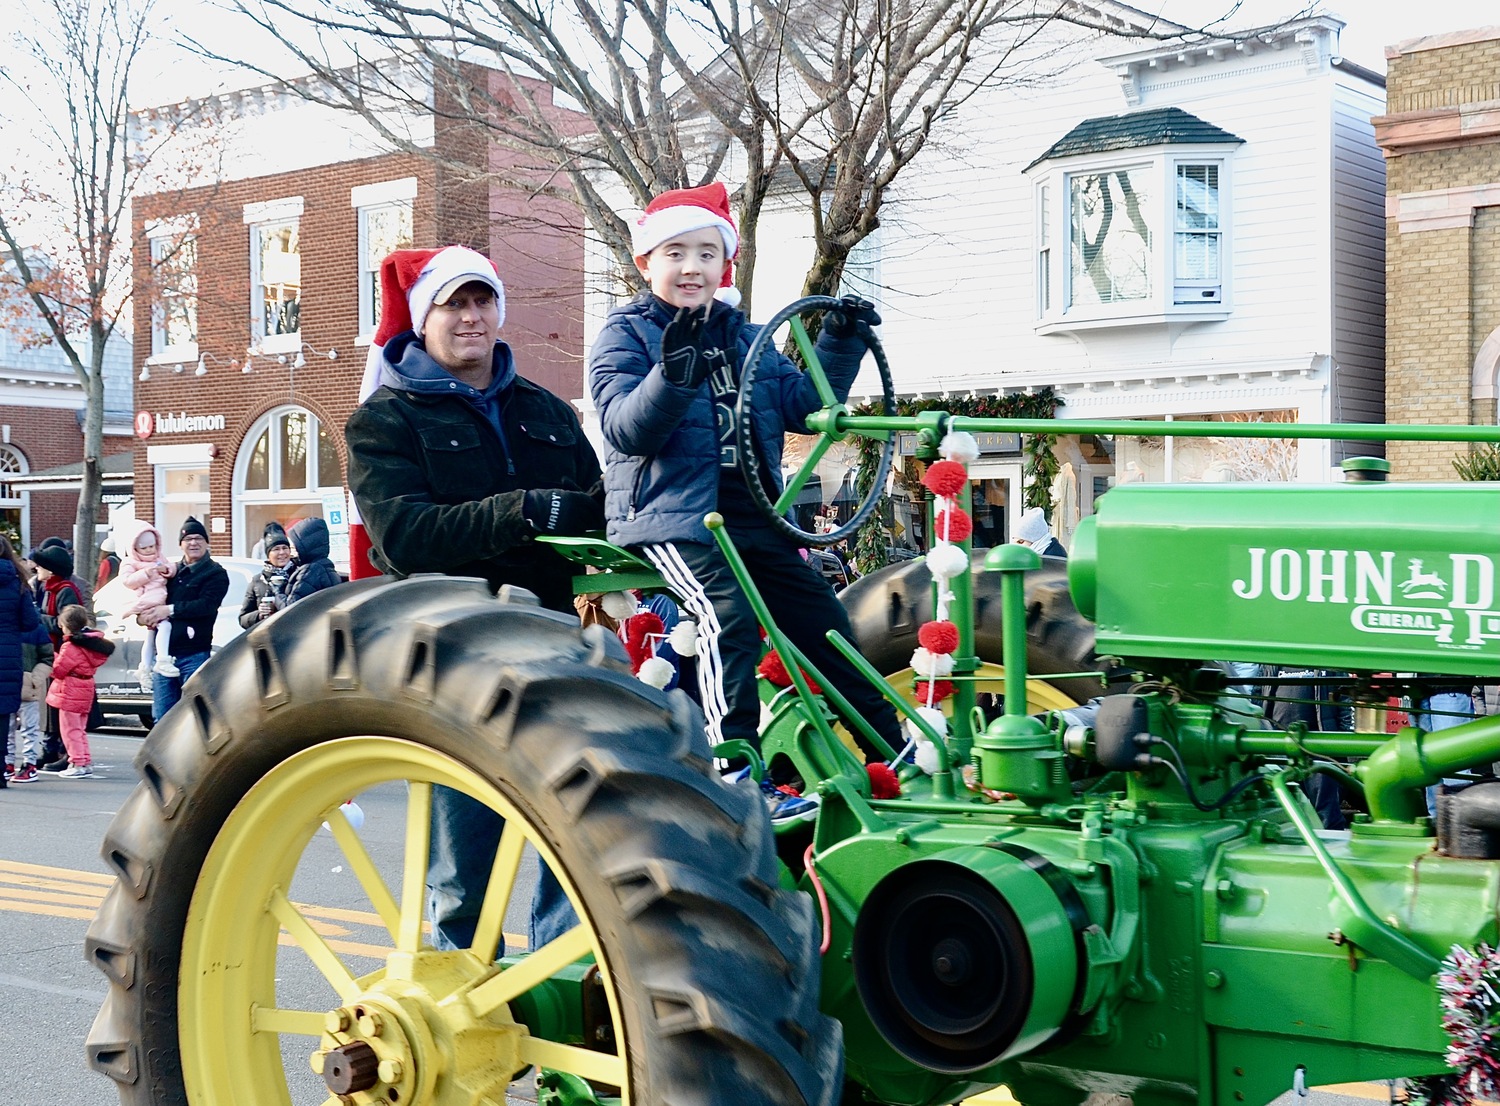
<point x="184" y="423"/>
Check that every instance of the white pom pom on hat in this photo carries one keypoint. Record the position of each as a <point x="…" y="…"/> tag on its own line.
<point x="682" y="211"/>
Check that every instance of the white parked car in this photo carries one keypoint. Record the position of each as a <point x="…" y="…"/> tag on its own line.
<point x="118" y="689"/>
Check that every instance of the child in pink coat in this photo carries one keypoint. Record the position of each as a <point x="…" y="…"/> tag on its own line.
<point x="83" y="650"/>
<point x="144" y="572"/>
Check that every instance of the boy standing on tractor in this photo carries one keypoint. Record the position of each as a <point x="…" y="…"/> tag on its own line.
<point x="664" y="373"/>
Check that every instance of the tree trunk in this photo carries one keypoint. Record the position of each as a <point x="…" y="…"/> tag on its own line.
<point x="91" y="492"/>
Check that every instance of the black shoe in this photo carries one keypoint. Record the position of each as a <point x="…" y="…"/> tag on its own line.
<point x="55" y="765"/>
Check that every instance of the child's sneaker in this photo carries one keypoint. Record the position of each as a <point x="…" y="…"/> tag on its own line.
<point x="786" y="806"/>
<point x="165" y="666"/>
<point x="76" y="772"/>
<point x="143" y="677"/>
<point x="61" y="764"/>
<point x="25" y="774"/>
<point x="10" y="770"/>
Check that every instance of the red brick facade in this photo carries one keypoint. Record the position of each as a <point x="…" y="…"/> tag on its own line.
<point x="47" y="437"/>
<point x="539" y="255"/>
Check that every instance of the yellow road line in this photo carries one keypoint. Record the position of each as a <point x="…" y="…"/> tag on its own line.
<point x="66" y="893"/>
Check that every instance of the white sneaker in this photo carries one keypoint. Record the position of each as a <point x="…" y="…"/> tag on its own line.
<point x="143" y="677"/>
<point x="166" y="667"/>
<point x="76" y="772"/>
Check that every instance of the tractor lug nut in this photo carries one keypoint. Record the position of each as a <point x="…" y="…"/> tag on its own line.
<point x="315" y="1061"/>
<point x="390" y="1071"/>
<point x="336" y="1021"/>
<point x="371" y="1024"/>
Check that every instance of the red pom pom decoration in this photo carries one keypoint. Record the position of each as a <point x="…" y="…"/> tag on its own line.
<point x="941" y="689"/>
<point x="883" y="781"/>
<point x="938" y="637"/>
<point x="953" y="525"/>
<point x="636" y="635"/>
<point x="773" y="668"/>
<point x="945" y="478"/>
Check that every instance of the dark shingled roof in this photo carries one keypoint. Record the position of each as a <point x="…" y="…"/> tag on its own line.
<point x="1158" y="127"/>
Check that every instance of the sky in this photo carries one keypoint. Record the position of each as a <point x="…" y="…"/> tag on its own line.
<point x="1371" y="26"/>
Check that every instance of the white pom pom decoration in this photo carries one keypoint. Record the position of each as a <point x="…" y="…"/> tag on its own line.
<point x="927" y="757"/>
<point x="933" y="717"/>
<point x="655" y="671"/>
<point x="946" y="560"/>
<point x="960" y="446"/>
<point x="684" y="637"/>
<point x="932" y="666"/>
<point x="619" y="605"/>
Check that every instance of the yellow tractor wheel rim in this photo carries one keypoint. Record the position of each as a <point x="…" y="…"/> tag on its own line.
<point x="423" y="1012"/>
<point x="1040" y="695"/>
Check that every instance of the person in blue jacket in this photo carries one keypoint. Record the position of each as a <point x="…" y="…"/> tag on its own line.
<point x="664" y="374"/>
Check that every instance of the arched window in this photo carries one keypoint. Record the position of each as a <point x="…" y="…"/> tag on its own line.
<point x="12" y="499"/>
<point x="286" y="464"/>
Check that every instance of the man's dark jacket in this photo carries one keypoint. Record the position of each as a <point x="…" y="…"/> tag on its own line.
<point x="195" y="592"/>
<point x="439" y="489"/>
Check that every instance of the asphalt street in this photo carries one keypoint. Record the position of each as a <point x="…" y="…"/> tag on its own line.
<point x="52" y="881"/>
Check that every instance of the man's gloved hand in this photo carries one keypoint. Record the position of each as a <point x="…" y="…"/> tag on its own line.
<point x="558" y="512"/>
<point x="843" y="321"/>
<point x="682" y="360"/>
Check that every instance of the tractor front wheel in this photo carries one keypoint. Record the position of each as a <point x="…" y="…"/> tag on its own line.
<point x="696" y="976"/>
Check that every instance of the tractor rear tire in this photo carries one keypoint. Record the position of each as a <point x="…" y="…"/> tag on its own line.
<point x="711" y="970"/>
<point x="887" y="607"/>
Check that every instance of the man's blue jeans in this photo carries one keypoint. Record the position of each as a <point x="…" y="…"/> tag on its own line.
<point x="167" y="690"/>
<point x="465" y="835"/>
<point x="1442" y="711"/>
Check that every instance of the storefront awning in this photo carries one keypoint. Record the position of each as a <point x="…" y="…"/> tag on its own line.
<point x="118" y="471"/>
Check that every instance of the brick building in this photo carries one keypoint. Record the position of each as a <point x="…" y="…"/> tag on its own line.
<point x="257" y="299"/>
<point x="1441" y="139"/>
<point x="41" y="428"/>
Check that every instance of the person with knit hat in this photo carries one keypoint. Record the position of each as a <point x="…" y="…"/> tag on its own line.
<point x="1032" y="530"/>
<point x="458" y="463"/>
<point x="267" y="592"/>
<point x="664" y="374"/>
<point x="195" y="592"/>
<point x="54" y="569"/>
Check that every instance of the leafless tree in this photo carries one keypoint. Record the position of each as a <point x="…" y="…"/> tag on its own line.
<point x="64" y="217"/>
<point x="831" y="101"/>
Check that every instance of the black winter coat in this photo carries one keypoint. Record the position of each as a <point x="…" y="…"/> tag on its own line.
<point x="313" y="571"/>
<point x="438" y="492"/>
<point x="17" y="617"/>
<point x="270" y="583"/>
<point x="195" y="592"/>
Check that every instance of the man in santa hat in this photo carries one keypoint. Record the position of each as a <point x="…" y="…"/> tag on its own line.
<point x="457" y="464"/>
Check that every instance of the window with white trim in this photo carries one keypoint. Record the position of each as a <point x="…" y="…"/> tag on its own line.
<point x="1144" y="234"/>
<point x="275" y="282"/>
<point x="287" y="462"/>
<point x="382" y="228"/>
<point x="174" y="300"/>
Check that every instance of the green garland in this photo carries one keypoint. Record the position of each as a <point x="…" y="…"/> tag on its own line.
<point x="1041" y="465"/>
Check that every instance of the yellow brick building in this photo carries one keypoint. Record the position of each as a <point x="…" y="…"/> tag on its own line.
<point x="1441" y="139"/>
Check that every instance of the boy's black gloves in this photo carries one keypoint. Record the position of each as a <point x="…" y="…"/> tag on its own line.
<point x="558" y="512"/>
<point x="843" y="321"/>
<point x="682" y="360"/>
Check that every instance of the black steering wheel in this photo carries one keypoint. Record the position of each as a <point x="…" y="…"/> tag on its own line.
<point x="751" y="466"/>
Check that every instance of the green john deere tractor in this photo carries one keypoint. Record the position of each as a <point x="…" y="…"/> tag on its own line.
<point x="1134" y="896"/>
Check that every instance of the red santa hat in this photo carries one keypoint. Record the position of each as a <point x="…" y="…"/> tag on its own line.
<point x="682" y="211"/>
<point x="412" y="282"/>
